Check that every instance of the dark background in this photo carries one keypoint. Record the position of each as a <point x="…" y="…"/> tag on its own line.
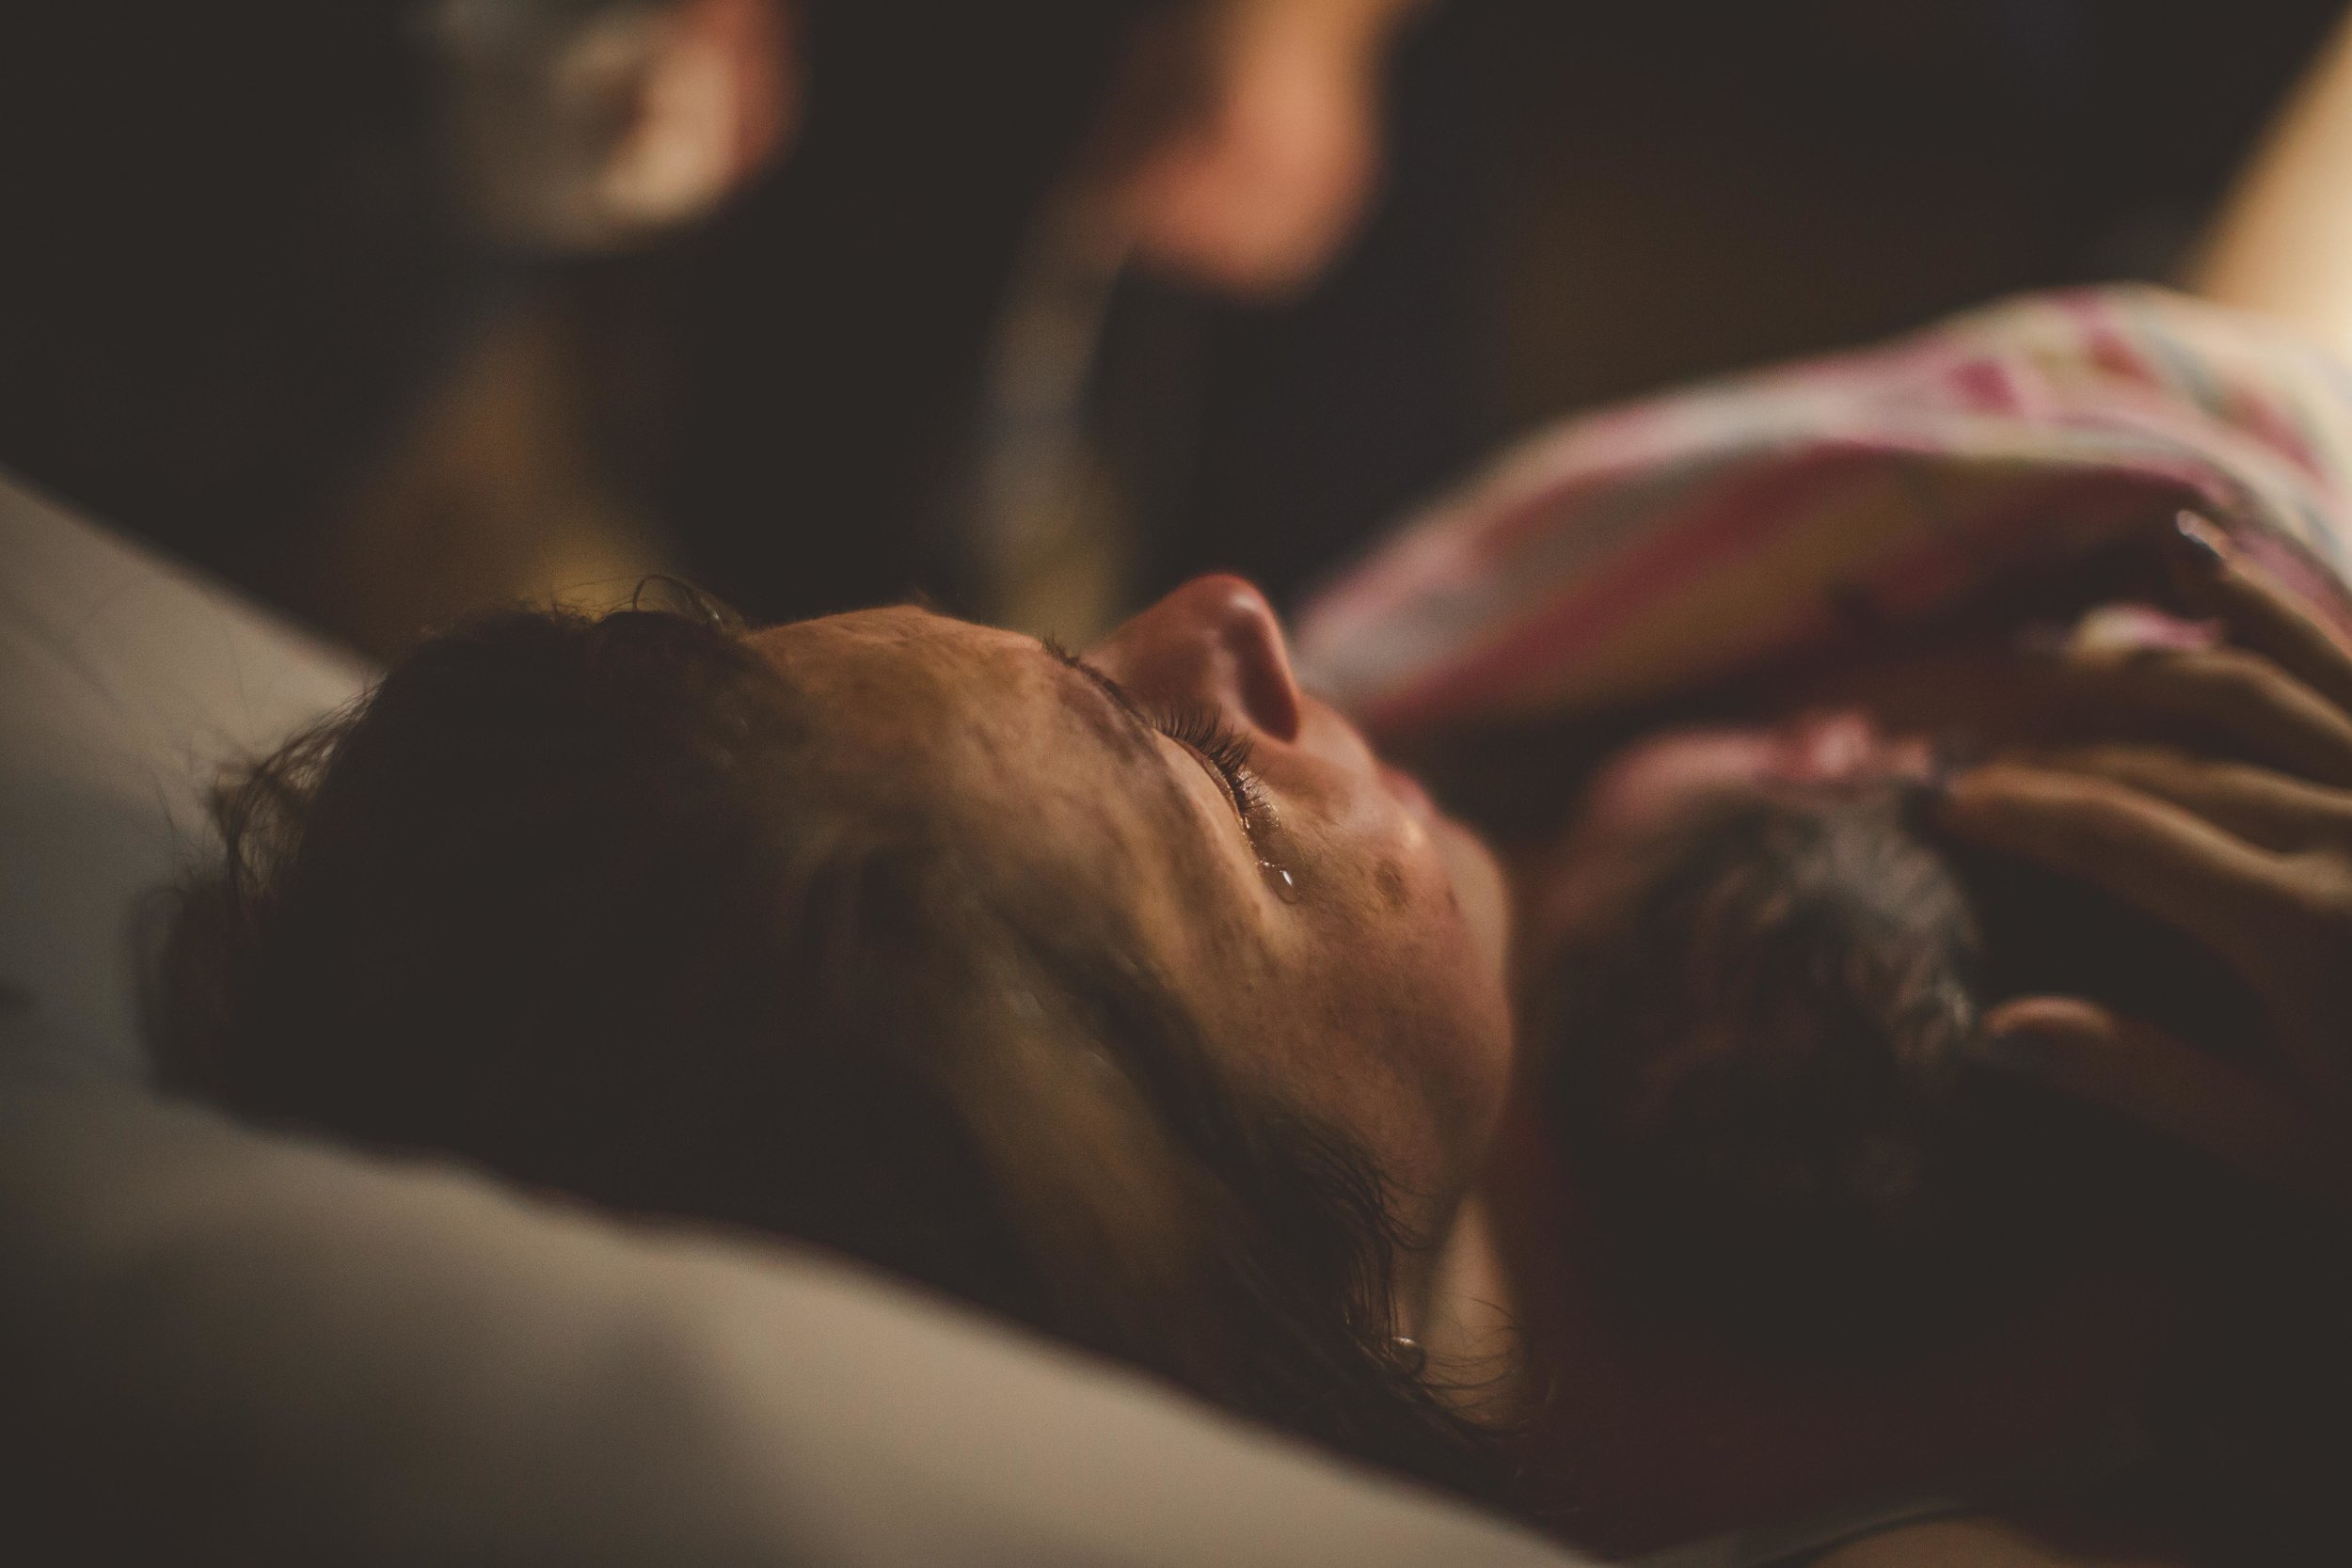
<point x="227" y="277"/>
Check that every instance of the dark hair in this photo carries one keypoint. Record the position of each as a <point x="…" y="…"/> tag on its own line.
<point x="1761" y="1073"/>
<point x="1754" y="1061"/>
<point x="579" y="899"/>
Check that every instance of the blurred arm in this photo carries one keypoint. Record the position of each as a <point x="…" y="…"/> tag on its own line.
<point x="2282" y="244"/>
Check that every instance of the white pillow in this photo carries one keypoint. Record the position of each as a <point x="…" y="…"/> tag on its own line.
<point x="238" y="1348"/>
<point x="125" y="682"/>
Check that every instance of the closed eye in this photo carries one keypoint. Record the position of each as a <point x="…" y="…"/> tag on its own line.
<point x="1222" y="752"/>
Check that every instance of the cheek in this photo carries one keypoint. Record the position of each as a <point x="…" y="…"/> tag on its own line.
<point x="1469" y="1058"/>
<point x="1416" y="1022"/>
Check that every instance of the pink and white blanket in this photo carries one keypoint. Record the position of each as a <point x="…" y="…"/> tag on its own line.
<point x="1643" y="550"/>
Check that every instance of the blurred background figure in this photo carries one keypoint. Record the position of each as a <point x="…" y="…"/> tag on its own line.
<point x="276" y="274"/>
<point x="393" y="308"/>
<point x="885" y="361"/>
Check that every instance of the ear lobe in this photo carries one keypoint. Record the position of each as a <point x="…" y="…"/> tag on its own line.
<point x="614" y="129"/>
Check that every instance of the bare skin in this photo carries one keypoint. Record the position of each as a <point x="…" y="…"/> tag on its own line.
<point x="2252" y="858"/>
<point x="1370" y="989"/>
<point x="2217" y="797"/>
<point x="1339" y="938"/>
<point x="2255" y="860"/>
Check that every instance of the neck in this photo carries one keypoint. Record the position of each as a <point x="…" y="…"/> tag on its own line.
<point x="1467" y="1317"/>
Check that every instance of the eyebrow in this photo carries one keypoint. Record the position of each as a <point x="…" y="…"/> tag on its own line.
<point x="1134" y="732"/>
<point x="1139" y="728"/>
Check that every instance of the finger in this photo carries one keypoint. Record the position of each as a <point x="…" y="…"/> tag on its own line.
<point x="2225" y="698"/>
<point x="2153" y="1077"/>
<point x="2272" y="917"/>
<point x="2150" y="853"/>
<point x="2216" y="579"/>
<point x="2271" y="811"/>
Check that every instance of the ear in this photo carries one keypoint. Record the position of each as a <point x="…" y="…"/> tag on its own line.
<point x="614" y="128"/>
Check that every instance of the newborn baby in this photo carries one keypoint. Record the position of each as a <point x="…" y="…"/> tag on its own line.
<point x="1759" y="980"/>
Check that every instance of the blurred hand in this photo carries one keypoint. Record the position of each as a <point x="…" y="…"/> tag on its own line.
<point x="2243" y="842"/>
<point x="1245" y="142"/>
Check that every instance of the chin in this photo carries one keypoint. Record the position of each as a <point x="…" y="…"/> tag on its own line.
<point x="1489" y="1061"/>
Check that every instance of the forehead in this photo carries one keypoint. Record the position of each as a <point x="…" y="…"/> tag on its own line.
<point x="933" y="691"/>
<point x="865" y="641"/>
<point x="983" y="729"/>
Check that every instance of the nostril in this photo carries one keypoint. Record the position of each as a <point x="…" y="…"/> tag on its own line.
<point x="1261" y="664"/>
<point x="1268" y="698"/>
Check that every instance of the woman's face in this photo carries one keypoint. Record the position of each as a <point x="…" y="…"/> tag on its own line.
<point x="1340" y="940"/>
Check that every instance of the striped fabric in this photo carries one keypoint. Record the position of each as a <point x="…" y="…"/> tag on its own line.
<point x="1639" y="551"/>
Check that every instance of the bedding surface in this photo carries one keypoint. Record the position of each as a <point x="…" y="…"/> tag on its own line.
<point x="125" y="682"/>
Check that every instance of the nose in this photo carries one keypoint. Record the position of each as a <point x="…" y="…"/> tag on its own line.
<point x="1214" y="642"/>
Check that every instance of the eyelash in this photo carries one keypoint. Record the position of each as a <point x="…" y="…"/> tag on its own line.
<point x="1226" y="750"/>
<point x="1198" y="728"/>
